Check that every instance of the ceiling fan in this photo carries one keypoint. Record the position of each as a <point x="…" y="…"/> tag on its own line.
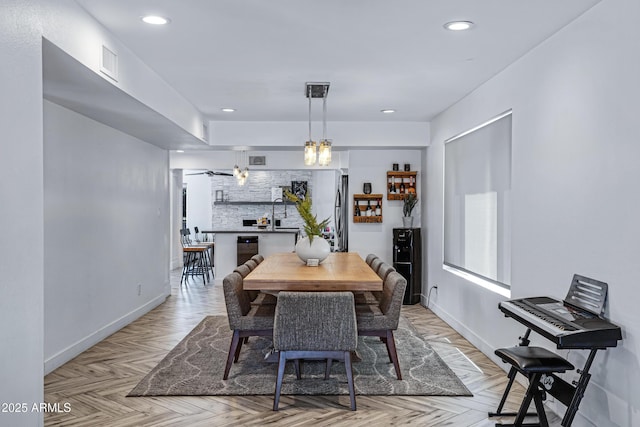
<point x="211" y="173"/>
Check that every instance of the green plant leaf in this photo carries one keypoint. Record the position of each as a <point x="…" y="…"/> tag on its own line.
<point x="311" y="226"/>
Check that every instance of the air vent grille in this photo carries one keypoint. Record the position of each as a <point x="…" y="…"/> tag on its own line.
<point x="109" y="63"/>
<point x="257" y="160"/>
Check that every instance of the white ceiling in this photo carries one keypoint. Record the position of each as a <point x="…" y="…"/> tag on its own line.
<point x="256" y="55"/>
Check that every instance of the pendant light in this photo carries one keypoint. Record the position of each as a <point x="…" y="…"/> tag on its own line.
<point x="309" y="145"/>
<point x="240" y="174"/>
<point x="324" y="157"/>
<point x="318" y="90"/>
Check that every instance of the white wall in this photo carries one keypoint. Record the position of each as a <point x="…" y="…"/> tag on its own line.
<point x="372" y="166"/>
<point x="175" y="203"/>
<point x="23" y="24"/>
<point x="343" y="134"/>
<point x="21" y="211"/>
<point x="574" y="186"/>
<point x="106" y="231"/>
<point x="198" y="201"/>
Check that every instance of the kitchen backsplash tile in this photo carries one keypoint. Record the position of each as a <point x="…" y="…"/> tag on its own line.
<point x="257" y="188"/>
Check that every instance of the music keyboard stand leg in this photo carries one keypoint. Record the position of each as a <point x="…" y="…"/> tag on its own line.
<point x="585" y="376"/>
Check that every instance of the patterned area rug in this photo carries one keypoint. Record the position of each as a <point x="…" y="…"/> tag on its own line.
<point x="195" y="367"/>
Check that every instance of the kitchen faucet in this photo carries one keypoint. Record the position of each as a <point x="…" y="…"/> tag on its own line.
<point x="273" y="211"/>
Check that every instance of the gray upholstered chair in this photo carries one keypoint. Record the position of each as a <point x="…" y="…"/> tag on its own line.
<point x="258" y="258"/>
<point x="256" y="297"/>
<point x="374" y="297"/>
<point x="375" y="264"/>
<point x="245" y="320"/>
<point x="251" y="264"/>
<point x="382" y="319"/>
<point x="370" y="258"/>
<point x="315" y="325"/>
<point x="243" y="270"/>
<point x="384" y="270"/>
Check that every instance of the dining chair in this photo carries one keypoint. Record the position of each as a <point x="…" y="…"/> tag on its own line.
<point x="245" y="320"/>
<point x="252" y="264"/>
<point x="384" y="270"/>
<point x="258" y="258"/>
<point x="374" y="297"/>
<point x="370" y="258"/>
<point x="375" y="264"/>
<point x="380" y="320"/>
<point x="256" y="297"/>
<point x="315" y="325"/>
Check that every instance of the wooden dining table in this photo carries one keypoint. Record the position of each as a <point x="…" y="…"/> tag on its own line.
<point x="340" y="271"/>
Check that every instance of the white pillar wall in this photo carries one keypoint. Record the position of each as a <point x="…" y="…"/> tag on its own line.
<point x="574" y="195"/>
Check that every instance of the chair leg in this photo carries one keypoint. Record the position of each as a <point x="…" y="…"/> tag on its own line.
<point x="232" y="351"/>
<point x="327" y="370"/>
<point x="393" y="354"/>
<point x="238" y="348"/>
<point x="282" y="361"/>
<point x="296" y="366"/>
<point x="352" y="392"/>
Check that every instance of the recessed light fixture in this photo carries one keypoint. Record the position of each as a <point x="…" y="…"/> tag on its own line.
<point x="179" y="151"/>
<point x="388" y="111"/>
<point x="228" y="110"/>
<point x="155" y="20"/>
<point x="458" y="25"/>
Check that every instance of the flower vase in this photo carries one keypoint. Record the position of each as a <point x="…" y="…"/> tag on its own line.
<point x="318" y="249"/>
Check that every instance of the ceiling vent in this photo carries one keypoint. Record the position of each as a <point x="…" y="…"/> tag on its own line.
<point x="109" y="63"/>
<point x="257" y="160"/>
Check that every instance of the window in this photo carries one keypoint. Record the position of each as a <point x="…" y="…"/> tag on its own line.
<point x="477" y="187"/>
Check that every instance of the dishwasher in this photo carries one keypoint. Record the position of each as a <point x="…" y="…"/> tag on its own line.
<point x="247" y="247"/>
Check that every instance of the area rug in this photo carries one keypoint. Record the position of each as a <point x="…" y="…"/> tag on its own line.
<point x="195" y="367"/>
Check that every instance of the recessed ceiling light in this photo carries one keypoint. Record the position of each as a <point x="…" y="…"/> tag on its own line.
<point x="179" y="151"/>
<point x="228" y="110"/>
<point x="388" y="111"/>
<point x="458" y="25"/>
<point x="155" y="20"/>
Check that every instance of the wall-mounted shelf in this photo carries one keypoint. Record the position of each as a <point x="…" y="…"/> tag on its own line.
<point x="401" y="183"/>
<point x="251" y="203"/>
<point x="362" y="201"/>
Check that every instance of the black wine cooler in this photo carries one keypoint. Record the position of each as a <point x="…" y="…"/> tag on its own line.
<point x="407" y="260"/>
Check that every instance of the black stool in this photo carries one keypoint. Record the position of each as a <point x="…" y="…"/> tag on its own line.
<point x="533" y="362"/>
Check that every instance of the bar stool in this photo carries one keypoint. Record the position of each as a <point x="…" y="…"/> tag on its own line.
<point x="196" y="261"/>
<point x="533" y="362"/>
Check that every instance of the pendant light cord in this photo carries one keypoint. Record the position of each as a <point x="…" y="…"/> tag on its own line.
<point x="309" y="96"/>
<point x="324" y="115"/>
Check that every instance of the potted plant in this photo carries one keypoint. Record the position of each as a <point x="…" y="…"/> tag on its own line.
<point x="409" y="202"/>
<point x="309" y="247"/>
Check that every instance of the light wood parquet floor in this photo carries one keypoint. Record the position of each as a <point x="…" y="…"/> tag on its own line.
<point x="96" y="383"/>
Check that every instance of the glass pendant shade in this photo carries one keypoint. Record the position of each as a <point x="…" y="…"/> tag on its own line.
<point x="310" y="153"/>
<point x="324" y="156"/>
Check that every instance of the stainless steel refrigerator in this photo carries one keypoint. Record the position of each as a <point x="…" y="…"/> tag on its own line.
<point x="341" y="214"/>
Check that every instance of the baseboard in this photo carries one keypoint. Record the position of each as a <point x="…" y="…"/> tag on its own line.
<point x="87" y="342"/>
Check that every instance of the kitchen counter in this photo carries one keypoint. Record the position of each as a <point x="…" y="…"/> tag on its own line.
<point x="269" y="242"/>
<point x="245" y="230"/>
